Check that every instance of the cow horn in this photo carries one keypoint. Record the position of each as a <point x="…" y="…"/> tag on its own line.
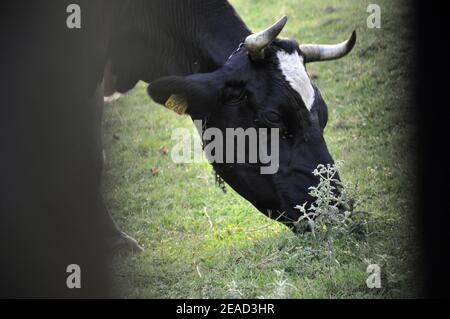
<point x="322" y="52"/>
<point x="257" y="42"/>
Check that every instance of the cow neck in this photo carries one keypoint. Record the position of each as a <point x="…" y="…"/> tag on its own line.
<point x="199" y="34"/>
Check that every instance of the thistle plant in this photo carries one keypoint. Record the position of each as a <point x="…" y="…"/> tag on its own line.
<point x="329" y="216"/>
<point x="280" y="288"/>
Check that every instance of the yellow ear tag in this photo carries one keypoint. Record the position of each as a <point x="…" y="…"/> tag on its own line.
<point x="177" y="104"/>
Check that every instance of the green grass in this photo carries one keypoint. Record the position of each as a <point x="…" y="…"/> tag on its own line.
<point x="246" y="254"/>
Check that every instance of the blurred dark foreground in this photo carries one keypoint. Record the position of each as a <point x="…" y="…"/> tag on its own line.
<point x="48" y="144"/>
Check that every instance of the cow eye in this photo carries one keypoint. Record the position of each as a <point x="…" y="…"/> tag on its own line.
<point x="238" y="99"/>
<point x="272" y="118"/>
<point x="234" y="96"/>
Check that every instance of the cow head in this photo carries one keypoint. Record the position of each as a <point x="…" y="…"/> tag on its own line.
<point x="264" y="84"/>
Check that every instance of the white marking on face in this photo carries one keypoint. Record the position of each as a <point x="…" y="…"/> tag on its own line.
<point x="293" y="69"/>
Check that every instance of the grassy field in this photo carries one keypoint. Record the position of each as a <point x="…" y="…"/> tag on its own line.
<point x="202" y="243"/>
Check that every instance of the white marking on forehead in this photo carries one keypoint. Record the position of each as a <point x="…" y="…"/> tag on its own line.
<point x="293" y="69"/>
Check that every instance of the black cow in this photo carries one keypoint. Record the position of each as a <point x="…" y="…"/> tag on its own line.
<point x="263" y="84"/>
<point x="52" y="212"/>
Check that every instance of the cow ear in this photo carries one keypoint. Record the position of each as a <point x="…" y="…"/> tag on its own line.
<point x="196" y="95"/>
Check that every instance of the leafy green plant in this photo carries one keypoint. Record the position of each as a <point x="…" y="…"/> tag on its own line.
<point x="280" y="288"/>
<point x="330" y="215"/>
<point x="234" y="292"/>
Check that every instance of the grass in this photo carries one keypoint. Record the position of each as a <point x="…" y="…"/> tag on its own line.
<point x="202" y="243"/>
